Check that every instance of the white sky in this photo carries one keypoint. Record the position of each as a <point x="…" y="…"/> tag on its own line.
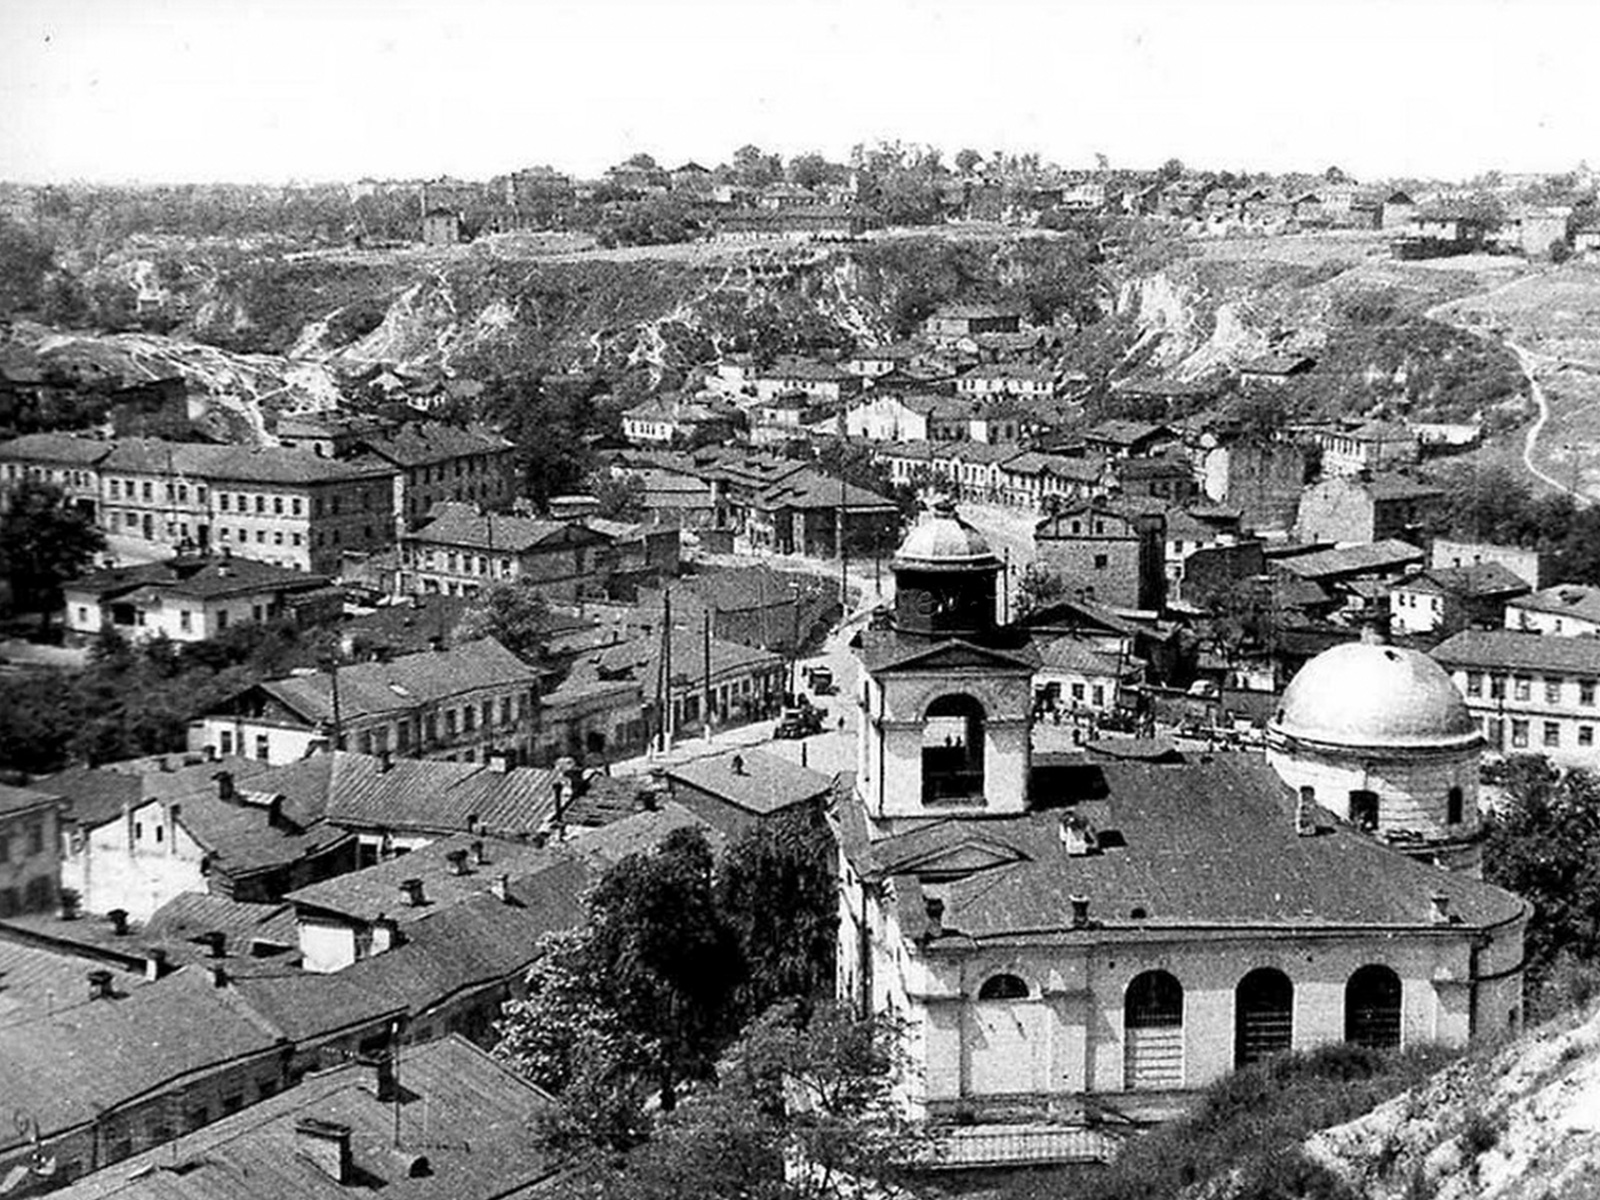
<point x="161" y="90"/>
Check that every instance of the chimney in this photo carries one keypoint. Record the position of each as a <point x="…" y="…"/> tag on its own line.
<point x="737" y="763"/>
<point x="67" y="899"/>
<point x="479" y="858"/>
<point x="385" y="762"/>
<point x="119" y="921"/>
<point x="1080" y="911"/>
<point x="216" y="942"/>
<point x="411" y="892"/>
<point x="166" y="764"/>
<point x="1305" y="818"/>
<point x="384" y="1084"/>
<point x="275" y="818"/>
<point x="458" y="862"/>
<point x="224" y="785"/>
<point x="155" y="964"/>
<point x="498" y="762"/>
<point x="213" y="754"/>
<point x="1440" y="914"/>
<point x="174" y="811"/>
<point x="436" y="643"/>
<point x="1076" y="836"/>
<point x="934" y="907"/>
<point x="325" y="1145"/>
<point x="219" y="975"/>
<point x="99" y="984"/>
<point x="500" y="887"/>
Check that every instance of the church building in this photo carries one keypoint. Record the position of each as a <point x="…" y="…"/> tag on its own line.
<point x="1070" y="935"/>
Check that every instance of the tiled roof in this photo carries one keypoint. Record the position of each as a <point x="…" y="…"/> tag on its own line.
<point x="640" y="656"/>
<point x="67" y="1068"/>
<point x="762" y="784"/>
<point x="1564" y="599"/>
<point x="189" y="915"/>
<point x="1074" y="654"/>
<point x="1124" y="433"/>
<point x="1388" y="554"/>
<point x="241" y="838"/>
<point x="95" y="795"/>
<point x="1086" y="468"/>
<point x="463" y="525"/>
<point x="812" y="490"/>
<point x="205" y="578"/>
<point x="359" y="791"/>
<point x="232" y="464"/>
<point x="420" y="443"/>
<point x="64" y="448"/>
<point x="1507" y="649"/>
<point x="18" y="799"/>
<point x="1477" y="579"/>
<point x="467" y="1115"/>
<point x="412" y="679"/>
<point x="1205" y="843"/>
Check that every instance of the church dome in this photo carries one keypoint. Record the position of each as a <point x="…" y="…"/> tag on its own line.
<point x="1365" y="695"/>
<point x="944" y="542"/>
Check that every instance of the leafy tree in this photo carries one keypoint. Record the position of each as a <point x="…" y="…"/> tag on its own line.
<point x="26" y="260"/>
<point x="1335" y="175"/>
<point x="778" y="889"/>
<point x="1171" y="170"/>
<point x="514" y="614"/>
<point x="1543" y="843"/>
<point x="621" y="497"/>
<point x="754" y="167"/>
<point x="967" y="161"/>
<point x="641" y="161"/>
<point x="808" y="170"/>
<point x="1041" y="586"/>
<point x="44" y="542"/>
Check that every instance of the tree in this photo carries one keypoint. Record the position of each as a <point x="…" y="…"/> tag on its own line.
<point x="621" y="497"/>
<point x="967" y="161"/>
<point x="1041" y="586"/>
<point x="514" y="614"/>
<point x="1335" y="175"/>
<point x="26" y="260"/>
<point x="1171" y="171"/>
<point x="778" y="889"/>
<point x="808" y="170"/>
<point x="803" y="1109"/>
<point x="1543" y="844"/>
<point x="754" y="167"/>
<point x="43" y="543"/>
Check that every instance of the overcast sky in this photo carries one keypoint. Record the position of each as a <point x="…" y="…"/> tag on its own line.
<point x="162" y="90"/>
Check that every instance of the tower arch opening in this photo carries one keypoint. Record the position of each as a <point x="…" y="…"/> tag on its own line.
<point x="953" y="730"/>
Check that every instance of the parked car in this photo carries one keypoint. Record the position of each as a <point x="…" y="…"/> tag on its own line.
<point x="821" y="680"/>
<point x="798" y="721"/>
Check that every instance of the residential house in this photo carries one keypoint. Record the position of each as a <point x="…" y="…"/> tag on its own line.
<point x="790" y="418"/>
<point x="433" y="462"/>
<point x="1147" y="400"/>
<point x="329" y="433"/>
<point x="30" y="849"/>
<point x="1358" y="576"/>
<point x="1370" y="448"/>
<point x="754" y="606"/>
<point x="462" y="550"/>
<point x="1129" y="439"/>
<point x="1442" y="600"/>
<point x="874" y="362"/>
<point x="824" y="383"/>
<point x="1565" y="610"/>
<point x="441" y="227"/>
<point x="971" y="469"/>
<point x="956" y="321"/>
<point x="890" y="417"/>
<point x="741" y="683"/>
<point x="1105" y="552"/>
<point x="1352" y="511"/>
<point x="812" y="513"/>
<point x="235" y="841"/>
<point x="736" y="790"/>
<point x="447" y="1123"/>
<point x="467" y="703"/>
<point x="1531" y="694"/>
<point x="1078" y="680"/>
<point x="191" y="599"/>
<point x="1033" y="479"/>
<point x="1184" y="534"/>
<point x="1532" y="567"/>
<point x="1274" y="370"/>
<point x="663" y="421"/>
<point x="1168" y="477"/>
<point x="639" y="552"/>
<point x="592" y="719"/>
<point x="1019" y="380"/>
<point x="1397" y="212"/>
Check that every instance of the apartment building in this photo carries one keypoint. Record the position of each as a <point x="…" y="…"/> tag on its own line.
<point x="1530" y="693"/>
<point x="463" y="549"/>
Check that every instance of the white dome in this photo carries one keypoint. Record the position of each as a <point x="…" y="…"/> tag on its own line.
<point x="1364" y="695"/>
<point x="944" y="542"/>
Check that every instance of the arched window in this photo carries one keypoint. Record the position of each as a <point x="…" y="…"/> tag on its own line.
<point x="952" y="750"/>
<point x="1454" y="806"/>
<point x="1364" y="809"/>
<point x="1263" y="1016"/>
<point x="1372" y="1008"/>
<point x="1152" y="1025"/>
<point x="1003" y="987"/>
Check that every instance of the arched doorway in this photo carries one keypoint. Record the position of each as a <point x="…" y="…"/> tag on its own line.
<point x="1006" y="1040"/>
<point x="1263" y="1016"/>
<point x="1152" y="1030"/>
<point x="952" y="750"/>
<point x="1372" y="1008"/>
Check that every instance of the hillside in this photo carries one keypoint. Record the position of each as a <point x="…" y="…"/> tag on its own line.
<point x="1519" y="1125"/>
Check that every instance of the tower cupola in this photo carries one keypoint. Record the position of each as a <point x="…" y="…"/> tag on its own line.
<point x="945" y="576"/>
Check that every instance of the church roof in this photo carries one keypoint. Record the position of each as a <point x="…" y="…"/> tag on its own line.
<point x="1195" y="844"/>
<point x="944" y="542"/>
<point x="1363" y="695"/>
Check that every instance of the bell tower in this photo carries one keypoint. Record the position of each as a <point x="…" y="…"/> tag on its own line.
<point x="946" y="702"/>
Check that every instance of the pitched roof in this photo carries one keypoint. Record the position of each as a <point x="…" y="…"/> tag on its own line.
<point x="66" y="448"/>
<point x="1072" y="653"/>
<point x="1118" y="432"/>
<point x="762" y="783"/>
<point x="1389" y="554"/>
<point x="15" y="800"/>
<point x="811" y="489"/>
<point x="1508" y="649"/>
<point x="233" y="464"/>
<point x="1202" y="843"/>
<point x="402" y="683"/>
<point x="1564" y="599"/>
<point x="421" y="443"/>
<point x="465" y="1114"/>
<point x="95" y="795"/>
<point x="1476" y="579"/>
<point x="454" y="524"/>
<point x="204" y="578"/>
<point x="640" y="656"/>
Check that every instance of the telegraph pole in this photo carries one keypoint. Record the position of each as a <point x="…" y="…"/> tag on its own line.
<point x="666" y="668"/>
<point x="706" y="675"/>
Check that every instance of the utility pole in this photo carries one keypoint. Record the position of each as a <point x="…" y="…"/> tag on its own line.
<point x="706" y="675"/>
<point x="666" y="668"/>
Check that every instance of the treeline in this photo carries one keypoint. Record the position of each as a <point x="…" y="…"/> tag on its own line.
<point x="1494" y="504"/>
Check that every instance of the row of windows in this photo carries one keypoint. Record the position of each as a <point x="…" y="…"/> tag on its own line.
<point x="79" y="479"/>
<point x="1522" y="687"/>
<point x="1494" y="731"/>
<point x="240" y="502"/>
<point x="30" y="843"/>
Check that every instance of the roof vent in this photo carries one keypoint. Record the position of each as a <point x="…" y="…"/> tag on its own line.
<point x="326" y="1145"/>
<point x="411" y="892"/>
<point x="1077" y="836"/>
<point x="99" y="984"/>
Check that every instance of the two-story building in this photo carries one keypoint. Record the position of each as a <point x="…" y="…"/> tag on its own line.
<point x="465" y="704"/>
<point x="1348" y="510"/>
<point x="1565" y="610"/>
<point x="1447" y="599"/>
<point x="433" y="462"/>
<point x="462" y="550"/>
<point x="1022" y="381"/>
<point x="824" y="383"/>
<point x="69" y="461"/>
<point x="1105" y="552"/>
<point x="1531" y="694"/>
<point x="1367" y="449"/>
